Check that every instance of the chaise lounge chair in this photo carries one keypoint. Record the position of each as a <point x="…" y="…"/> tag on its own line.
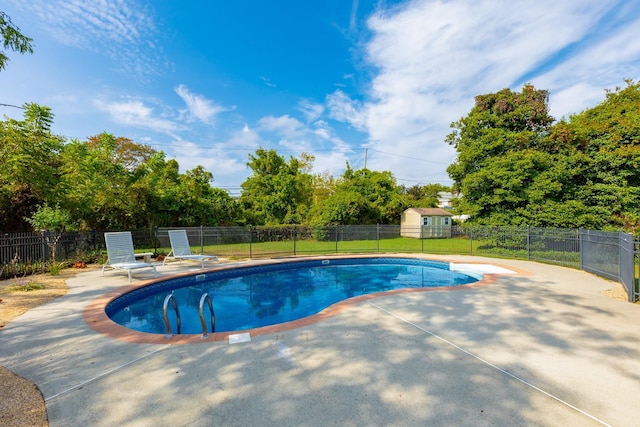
<point x="121" y="254"/>
<point x="180" y="249"/>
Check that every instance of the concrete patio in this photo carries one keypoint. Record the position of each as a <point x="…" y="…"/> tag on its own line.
<point x="543" y="347"/>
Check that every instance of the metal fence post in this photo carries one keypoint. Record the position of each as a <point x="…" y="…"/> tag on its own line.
<point x="528" y="243"/>
<point x="44" y="249"/>
<point x="294" y="239"/>
<point x="581" y="247"/>
<point x="201" y="239"/>
<point x="636" y="255"/>
<point x="378" y="235"/>
<point x="155" y="240"/>
<point x="250" y="241"/>
<point x="470" y="240"/>
<point x="336" y="228"/>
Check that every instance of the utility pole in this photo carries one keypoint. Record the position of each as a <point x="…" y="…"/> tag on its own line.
<point x="365" y="157"/>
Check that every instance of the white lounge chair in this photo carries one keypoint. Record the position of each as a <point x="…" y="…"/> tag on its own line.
<point x="180" y="249"/>
<point x="121" y="254"/>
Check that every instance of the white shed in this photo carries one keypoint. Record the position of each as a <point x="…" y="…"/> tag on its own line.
<point x="425" y="223"/>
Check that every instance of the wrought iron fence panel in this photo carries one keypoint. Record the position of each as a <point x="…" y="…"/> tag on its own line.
<point x="555" y="245"/>
<point x="21" y="253"/>
<point x="510" y="242"/>
<point x="600" y="253"/>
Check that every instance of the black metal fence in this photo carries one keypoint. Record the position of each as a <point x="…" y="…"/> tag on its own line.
<point x="613" y="255"/>
<point x="26" y="253"/>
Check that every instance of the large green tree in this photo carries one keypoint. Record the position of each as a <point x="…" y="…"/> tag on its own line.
<point x="30" y="160"/>
<point x="278" y="191"/>
<point x="98" y="186"/>
<point x="496" y="145"/>
<point x="604" y="143"/>
<point x="361" y="197"/>
<point x="515" y="167"/>
<point x="114" y="183"/>
<point x="499" y="124"/>
<point x="201" y="204"/>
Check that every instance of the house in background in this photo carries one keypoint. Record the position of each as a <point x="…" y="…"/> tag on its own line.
<point x="425" y="223"/>
<point x="445" y="198"/>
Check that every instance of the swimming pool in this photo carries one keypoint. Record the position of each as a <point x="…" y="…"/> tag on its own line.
<point x="255" y="296"/>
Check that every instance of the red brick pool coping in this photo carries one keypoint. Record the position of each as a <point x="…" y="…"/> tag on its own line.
<point x="96" y="318"/>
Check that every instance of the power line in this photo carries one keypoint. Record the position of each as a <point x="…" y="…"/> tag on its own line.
<point x="408" y="157"/>
<point x="10" y="105"/>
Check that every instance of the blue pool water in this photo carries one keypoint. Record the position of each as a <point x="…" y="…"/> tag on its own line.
<point x="250" y="297"/>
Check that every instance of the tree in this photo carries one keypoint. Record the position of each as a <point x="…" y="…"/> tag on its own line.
<point x="102" y="181"/>
<point x="12" y="39"/>
<point x="361" y="197"/>
<point x="53" y="220"/>
<point x="30" y="165"/>
<point x="124" y="151"/>
<point x="157" y="190"/>
<point x="516" y="168"/>
<point x="497" y="144"/>
<point x="323" y="185"/>
<point x="278" y="192"/>
<point x="424" y="196"/>
<point x="201" y="204"/>
<point x="606" y="139"/>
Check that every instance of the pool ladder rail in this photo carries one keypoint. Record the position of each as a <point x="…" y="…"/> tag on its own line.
<point x="171" y="297"/>
<point x="205" y="298"/>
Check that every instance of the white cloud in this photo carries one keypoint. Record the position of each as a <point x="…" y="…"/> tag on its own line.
<point x="198" y="106"/>
<point x="225" y="159"/>
<point x="311" y="110"/>
<point x="134" y="113"/>
<point x="573" y="99"/>
<point x="267" y="81"/>
<point x="122" y="30"/>
<point x="604" y="64"/>
<point x="332" y="162"/>
<point x="285" y="126"/>
<point x="345" y="109"/>
<point x="245" y="138"/>
<point x="431" y="58"/>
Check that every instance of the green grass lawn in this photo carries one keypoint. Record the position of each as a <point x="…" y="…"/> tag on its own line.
<point x="462" y="246"/>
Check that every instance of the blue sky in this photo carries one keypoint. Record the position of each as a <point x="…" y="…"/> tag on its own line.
<point x="209" y="82"/>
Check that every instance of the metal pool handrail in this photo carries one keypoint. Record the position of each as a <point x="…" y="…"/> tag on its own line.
<point x="168" y="298"/>
<point x="207" y="298"/>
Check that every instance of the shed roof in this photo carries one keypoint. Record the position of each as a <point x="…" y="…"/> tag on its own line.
<point x="431" y="211"/>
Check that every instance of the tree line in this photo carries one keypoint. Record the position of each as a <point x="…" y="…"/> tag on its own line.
<point x="515" y="165"/>
<point x="109" y="182"/>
